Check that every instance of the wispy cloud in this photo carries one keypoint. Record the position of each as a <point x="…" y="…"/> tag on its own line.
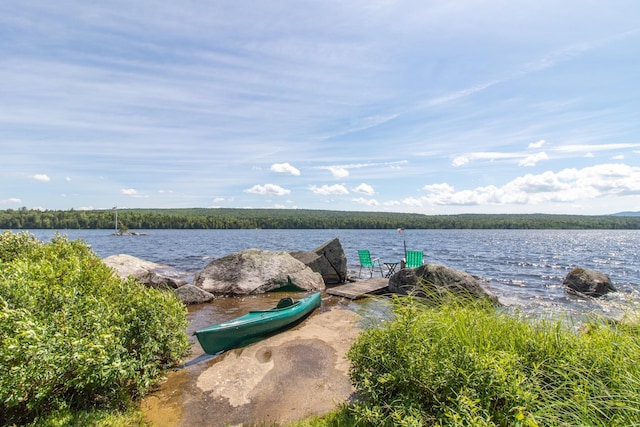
<point x="466" y="158"/>
<point x="537" y="145"/>
<point x="342" y="171"/>
<point x="590" y="148"/>
<point x="11" y="200"/>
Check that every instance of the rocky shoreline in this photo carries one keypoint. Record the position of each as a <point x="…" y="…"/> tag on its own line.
<point x="298" y="373"/>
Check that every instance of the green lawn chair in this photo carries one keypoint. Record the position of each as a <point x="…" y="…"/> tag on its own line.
<point x="414" y="259"/>
<point x="367" y="262"/>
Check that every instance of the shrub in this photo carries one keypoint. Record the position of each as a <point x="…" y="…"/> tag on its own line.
<point x="74" y="335"/>
<point x="474" y="365"/>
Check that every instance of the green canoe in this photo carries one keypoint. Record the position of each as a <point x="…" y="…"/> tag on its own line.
<point x="255" y="325"/>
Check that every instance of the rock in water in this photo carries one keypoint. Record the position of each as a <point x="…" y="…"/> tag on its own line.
<point x="588" y="282"/>
<point x="255" y="271"/>
<point x="438" y="282"/>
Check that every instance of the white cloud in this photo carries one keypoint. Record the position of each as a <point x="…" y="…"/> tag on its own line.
<point x="218" y="199"/>
<point x="326" y="190"/>
<point x="133" y="193"/>
<point x="568" y="185"/>
<point x="338" y="171"/>
<point x="460" y="161"/>
<point x="618" y="157"/>
<point x="438" y="188"/>
<point x="536" y="145"/>
<point x="364" y="189"/>
<point x="68" y="179"/>
<point x="533" y="159"/>
<point x="366" y="202"/>
<point x="268" y="189"/>
<point x="41" y="177"/>
<point x="11" y="200"/>
<point x="284" y="168"/>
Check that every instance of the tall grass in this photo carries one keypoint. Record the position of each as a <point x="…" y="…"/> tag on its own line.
<point x="471" y="364"/>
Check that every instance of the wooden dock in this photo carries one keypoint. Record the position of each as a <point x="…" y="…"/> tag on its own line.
<point x="360" y="288"/>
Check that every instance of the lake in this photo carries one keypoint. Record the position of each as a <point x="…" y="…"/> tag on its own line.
<point x="524" y="268"/>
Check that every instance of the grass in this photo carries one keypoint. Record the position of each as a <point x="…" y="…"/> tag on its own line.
<point x="132" y="417"/>
<point x="470" y="364"/>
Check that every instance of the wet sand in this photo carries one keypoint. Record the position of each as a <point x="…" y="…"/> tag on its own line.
<point x="293" y="375"/>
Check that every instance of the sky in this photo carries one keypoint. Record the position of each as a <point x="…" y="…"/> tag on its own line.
<point x="416" y="106"/>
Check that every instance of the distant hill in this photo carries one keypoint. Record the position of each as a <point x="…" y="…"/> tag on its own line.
<point x="628" y="213"/>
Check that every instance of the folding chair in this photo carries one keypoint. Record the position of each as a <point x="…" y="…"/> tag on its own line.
<point x="414" y="259"/>
<point x="367" y="262"/>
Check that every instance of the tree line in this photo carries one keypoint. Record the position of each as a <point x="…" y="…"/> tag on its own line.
<point x="225" y="218"/>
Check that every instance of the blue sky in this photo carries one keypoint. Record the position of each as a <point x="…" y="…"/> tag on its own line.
<point x="434" y="107"/>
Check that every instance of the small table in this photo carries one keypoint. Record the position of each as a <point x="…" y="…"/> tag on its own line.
<point x="391" y="268"/>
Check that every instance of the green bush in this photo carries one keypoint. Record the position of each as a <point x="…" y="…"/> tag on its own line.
<point x="75" y="336"/>
<point x="475" y="365"/>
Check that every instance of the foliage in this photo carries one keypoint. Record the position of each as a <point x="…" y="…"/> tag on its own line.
<point x="132" y="417"/>
<point x="296" y="219"/>
<point x="341" y="417"/>
<point x="74" y="335"/>
<point x="473" y="365"/>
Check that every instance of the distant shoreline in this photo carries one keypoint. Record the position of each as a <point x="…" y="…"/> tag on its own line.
<point x="226" y="218"/>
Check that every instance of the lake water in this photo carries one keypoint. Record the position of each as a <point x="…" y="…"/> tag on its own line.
<point x="524" y="268"/>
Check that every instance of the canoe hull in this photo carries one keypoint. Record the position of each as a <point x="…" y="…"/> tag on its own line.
<point x="255" y="325"/>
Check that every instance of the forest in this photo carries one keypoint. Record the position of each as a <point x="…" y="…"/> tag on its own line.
<point x="225" y="218"/>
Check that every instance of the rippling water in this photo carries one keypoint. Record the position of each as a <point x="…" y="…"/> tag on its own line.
<point x="524" y="268"/>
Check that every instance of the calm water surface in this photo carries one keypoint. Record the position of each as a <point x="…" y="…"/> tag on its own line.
<point x="524" y="268"/>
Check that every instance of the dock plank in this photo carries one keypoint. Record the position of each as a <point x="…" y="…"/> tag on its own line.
<point x="360" y="289"/>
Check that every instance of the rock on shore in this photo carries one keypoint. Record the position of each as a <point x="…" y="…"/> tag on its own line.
<point x="158" y="276"/>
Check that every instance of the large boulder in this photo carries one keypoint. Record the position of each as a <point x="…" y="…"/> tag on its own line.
<point x="438" y="282"/>
<point x="255" y="271"/>
<point x="329" y="260"/>
<point x="147" y="272"/>
<point x="588" y="282"/>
